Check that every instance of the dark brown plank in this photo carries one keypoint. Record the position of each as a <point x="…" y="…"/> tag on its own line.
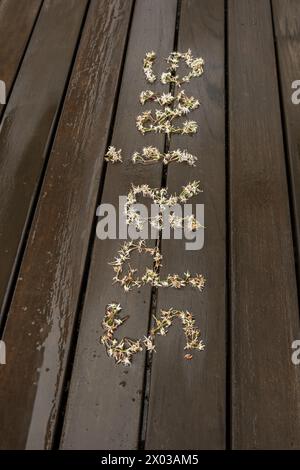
<point x="287" y="31"/>
<point x="105" y="400"/>
<point x="187" y="398"/>
<point x="265" y="321"/>
<point x="28" y="121"/>
<point x="41" y="317"/>
<point x="16" y="23"/>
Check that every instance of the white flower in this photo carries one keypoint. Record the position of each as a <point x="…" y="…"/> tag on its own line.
<point x="192" y="223"/>
<point x="166" y="98"/>
<point x="147" y="66"/>
<point x="195" y="66"/>
<point x="126" y="361"/>
<point x="166" y="77"/>
<point x="112" y="155"/>
<point x="189" y="127"/>
<point x="145" y="96"/>
<point x="148" y="342"/>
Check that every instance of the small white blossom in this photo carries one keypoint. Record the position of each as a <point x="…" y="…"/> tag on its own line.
<point x="189" y="127"/>
<point x="112" y="155"/>
<point x="147" y="66"/>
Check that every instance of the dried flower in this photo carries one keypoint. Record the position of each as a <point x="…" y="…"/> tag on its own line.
<point x="189" y="127"/>
<point x="188" y="191"/>
<point x="147" y="66"/>
<point x="197" y="281"/>
<point x="149" y="155"/>
<point x="112" y="155"/>
<point x="192" y="223"/>
<point x="148" y="342"/>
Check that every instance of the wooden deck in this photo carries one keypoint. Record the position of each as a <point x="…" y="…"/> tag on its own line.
<point x="73" y="73"/>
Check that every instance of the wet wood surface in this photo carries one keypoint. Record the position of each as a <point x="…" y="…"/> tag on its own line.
<point x="264" y="305"/>
<point x="17" y="20"/>
<point x="27" y="125"/>
<point x="287" y="36"/>
<point x="47" y="291"/>
<point x="93" y="375"/>
<point x="201" y="28"/>
<point x="73" y="73"/>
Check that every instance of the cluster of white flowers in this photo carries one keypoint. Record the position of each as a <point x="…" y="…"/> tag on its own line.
<point x="161" y="98"/>
<point x="149" y="155"/>
<point x="191" y="332"/>
<point x="152" y="155"/>
<point x="112" y="155"/>
<point x="162" y="121"/>
<point x="148" y="66"/>
<point x="195" y="65"/>
<point x="130" y="280"/>
<point x="122" y="351"/>
<point x="163" y="200"/>
<point x="170" y="76"/>
<point x="185" y="103"/>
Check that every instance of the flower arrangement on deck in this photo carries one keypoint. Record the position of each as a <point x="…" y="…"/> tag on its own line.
<point x="173" y="105"/>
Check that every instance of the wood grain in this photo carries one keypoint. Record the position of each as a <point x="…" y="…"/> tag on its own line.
<point x="287" y="33"/>
<point x="41" y="318"/>
<point x="188" y="397"/>
<point x="16" y="23"/>
<point x="265" y="317"/>
<point x="27" y="125"/>
<point x="104" y="405"/>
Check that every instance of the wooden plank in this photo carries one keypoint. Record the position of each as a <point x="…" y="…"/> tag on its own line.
<point x="28" y="121"/>
<point x="42" y="314"/>
<point x="265" y="321"/>
<point x="105" y="400"/>
<point x="188" y="397"/>
<point x="16" y="23"/>
<point x="287" y="31"/>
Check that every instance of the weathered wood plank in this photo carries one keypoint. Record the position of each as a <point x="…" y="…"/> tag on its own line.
<point x="16" y="23"/>
<point x="287" y="32"/>
<point x="188" y="397"/>
<point x="28" y="121"/>
<point x="105" y="400"/>
<point x="265" y="321"/>
<point x="41" y="318"/>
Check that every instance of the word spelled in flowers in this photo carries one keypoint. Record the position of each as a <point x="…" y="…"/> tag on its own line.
<point x="161" y="120"/>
